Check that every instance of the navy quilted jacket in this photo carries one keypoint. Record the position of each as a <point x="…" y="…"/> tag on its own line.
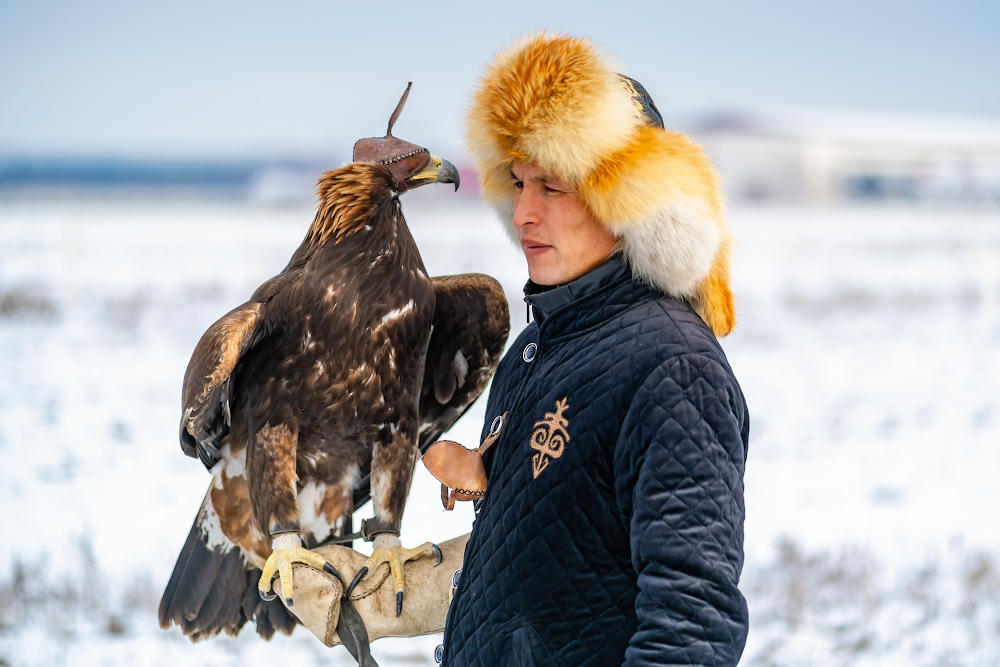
<point x="612" y="527"/>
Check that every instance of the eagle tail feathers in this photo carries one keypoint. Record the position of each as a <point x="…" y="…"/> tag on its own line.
<point x="212" y="591"/>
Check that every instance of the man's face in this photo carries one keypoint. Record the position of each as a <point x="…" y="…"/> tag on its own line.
<point x="559" y="235"/>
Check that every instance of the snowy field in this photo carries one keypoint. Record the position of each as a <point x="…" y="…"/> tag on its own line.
<point x="868" y="349"/>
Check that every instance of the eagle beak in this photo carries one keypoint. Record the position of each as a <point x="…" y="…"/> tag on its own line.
<point x="436" y="171"/>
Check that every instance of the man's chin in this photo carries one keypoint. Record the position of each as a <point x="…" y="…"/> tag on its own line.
<point x="547" y="273"/>
<point x="540" y="273"/>
<point x="548" y="276"/>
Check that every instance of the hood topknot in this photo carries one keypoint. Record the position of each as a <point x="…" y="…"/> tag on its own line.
<point x="557" y="102"/>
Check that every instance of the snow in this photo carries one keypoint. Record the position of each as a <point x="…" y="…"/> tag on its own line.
<point x="867" y="349"/>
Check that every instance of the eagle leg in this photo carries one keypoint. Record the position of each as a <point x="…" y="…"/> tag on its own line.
<point x="392" y="468"/>
<point x="388" y="549"/>
<point x="286" y="551"/>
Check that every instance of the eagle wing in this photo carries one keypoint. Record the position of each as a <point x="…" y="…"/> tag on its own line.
<point x="208" y="380"/>
<point x="471" y="323"/>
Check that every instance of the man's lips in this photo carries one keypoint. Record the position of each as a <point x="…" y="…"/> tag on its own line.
<point x="533" y="248"/>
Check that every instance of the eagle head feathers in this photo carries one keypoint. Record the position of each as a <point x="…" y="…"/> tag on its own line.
<point x="349" y="196"/>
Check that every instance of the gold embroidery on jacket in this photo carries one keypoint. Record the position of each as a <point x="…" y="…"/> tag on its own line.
<point x="549" y="438"/>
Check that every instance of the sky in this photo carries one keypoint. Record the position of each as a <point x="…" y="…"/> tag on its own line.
<point x="233" y="80"/>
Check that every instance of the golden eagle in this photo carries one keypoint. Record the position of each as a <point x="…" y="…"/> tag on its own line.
<point x="321" y="391"/>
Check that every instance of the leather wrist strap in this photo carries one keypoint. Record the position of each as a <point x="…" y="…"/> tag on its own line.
<point x="375" y="526"/>
<point x="369" y="529"/>
<point x="278" y="528"/>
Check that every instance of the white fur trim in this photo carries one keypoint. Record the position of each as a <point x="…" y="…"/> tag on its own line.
<point x="673" y="248"/>
<point x="504" y="210"/>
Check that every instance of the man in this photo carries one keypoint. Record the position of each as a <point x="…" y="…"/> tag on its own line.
<point x="612" y="527"/>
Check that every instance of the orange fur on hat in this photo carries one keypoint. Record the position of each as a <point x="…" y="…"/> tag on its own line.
<point x="556" y="101"/>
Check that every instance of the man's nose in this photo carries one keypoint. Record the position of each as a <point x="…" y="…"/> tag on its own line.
<point x="526" y="209"/>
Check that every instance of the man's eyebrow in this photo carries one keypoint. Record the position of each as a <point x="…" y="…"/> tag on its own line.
<point x="543" y="178"/>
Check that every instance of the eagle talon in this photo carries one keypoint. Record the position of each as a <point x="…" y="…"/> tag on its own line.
<point x="390" y="551"/>
<point x="357" y="580"/>
<point x="286" y="551"/>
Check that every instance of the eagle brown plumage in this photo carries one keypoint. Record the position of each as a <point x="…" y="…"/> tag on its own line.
<point x="321" y="390"/>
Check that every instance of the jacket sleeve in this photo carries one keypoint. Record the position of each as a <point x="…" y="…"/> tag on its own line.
<point x="678" y="469"/>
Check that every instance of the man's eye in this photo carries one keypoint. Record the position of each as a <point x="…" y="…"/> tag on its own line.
<point x="548" y="189"/>
<point x="519" y="184"/>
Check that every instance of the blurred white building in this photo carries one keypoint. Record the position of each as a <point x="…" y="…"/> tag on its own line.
<point x="830" y="156"/>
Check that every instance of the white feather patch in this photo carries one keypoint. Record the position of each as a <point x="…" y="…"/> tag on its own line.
<point x="228" y="465"/>
<point x="211" y="528"/>
<point x="286" y="541"/>
<point x="395" y="314"/>
<point x="350" y="480"/>
<point x="311" y="516"/>
<point x="386" y="541"/>
<point x="461" y="369"/>
<point x="379" y="491"/>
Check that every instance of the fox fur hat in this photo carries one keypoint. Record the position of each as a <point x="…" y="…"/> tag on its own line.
<point x="556" y="101"/>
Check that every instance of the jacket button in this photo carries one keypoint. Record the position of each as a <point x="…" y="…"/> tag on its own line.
<point x="439" y="653"/>
<point x="529" y="352"/>
<point x="496" y="425"/>
<point x="455" y="578"/>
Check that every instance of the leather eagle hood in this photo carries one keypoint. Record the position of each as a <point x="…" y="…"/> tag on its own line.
<point x="556" y="101"/>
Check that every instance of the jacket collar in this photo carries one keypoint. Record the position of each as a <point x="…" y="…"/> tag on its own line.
<point x="544" y="299"/>
<point x="589" y="301"/>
